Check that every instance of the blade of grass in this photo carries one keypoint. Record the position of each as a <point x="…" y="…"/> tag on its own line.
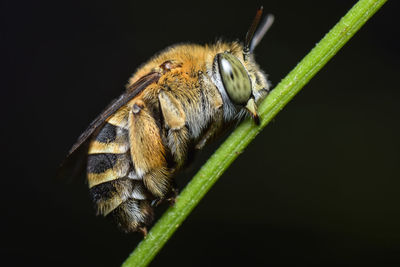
<point x="247" y="131"/>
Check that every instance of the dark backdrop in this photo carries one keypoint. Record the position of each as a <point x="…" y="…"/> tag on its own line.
<point x="318" y="186"/>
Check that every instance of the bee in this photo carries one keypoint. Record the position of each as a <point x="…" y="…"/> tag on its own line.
<point x="174" y="104"/>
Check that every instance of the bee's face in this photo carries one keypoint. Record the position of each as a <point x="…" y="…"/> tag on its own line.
<point x="238" y="80"/>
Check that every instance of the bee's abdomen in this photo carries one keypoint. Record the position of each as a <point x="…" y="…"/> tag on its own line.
<point x="109" y="166"/>
<point x="105" y="167"/>
<point x="110" y="139"/>
<point x="108" y="157"/>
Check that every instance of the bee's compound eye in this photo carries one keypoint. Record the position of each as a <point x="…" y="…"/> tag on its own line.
<point x="235" y="78"/>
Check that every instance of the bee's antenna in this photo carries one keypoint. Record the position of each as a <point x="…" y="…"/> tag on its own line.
<point x="256" y="32"/>
<point x="261" y="31"/>
<point x="253" y="28"/>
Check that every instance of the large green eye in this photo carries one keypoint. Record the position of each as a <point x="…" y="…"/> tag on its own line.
<point x="235" y="78"/>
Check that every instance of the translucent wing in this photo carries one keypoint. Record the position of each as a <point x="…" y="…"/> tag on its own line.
<point x="77" y="154"/>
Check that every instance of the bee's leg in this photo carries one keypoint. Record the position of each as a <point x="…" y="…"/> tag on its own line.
<point x="170" y="198"/>
<point x="210" y="133"/>
<point x="173" y="195"/>
<point x="148" y="151"/>
<point x="133" y="215"/>
<point x="172" y="111"/>
<point x="175" y="119"/>
<point x="206" y="138"/>
<point x="177" y="143"/>
<point x="215" y="109"/>
<point x="143" y="230"/>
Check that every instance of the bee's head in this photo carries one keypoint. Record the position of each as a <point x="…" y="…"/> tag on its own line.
<point x="237" y="76"/>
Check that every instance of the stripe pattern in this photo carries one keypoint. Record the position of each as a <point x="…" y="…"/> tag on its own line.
<point x="109" y="173"/>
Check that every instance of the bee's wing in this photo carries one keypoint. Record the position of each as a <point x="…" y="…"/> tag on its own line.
<point x="77" y="153"/>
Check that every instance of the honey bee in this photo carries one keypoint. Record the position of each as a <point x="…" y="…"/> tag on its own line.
<point x="173" y="105"/>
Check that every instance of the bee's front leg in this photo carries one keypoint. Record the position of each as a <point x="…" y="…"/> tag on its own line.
<point x="143" y="230"/>
<point x="177" y="134"/>
<point x="211" y="132"/>
<point x="206" y="138"/>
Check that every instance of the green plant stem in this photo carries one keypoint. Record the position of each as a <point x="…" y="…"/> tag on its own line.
<point x="242" y="136"/>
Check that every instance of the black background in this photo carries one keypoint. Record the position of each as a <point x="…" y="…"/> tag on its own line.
<point x="320" y="185"/>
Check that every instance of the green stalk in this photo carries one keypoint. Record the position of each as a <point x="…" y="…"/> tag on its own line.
<point x="247" y="131"/>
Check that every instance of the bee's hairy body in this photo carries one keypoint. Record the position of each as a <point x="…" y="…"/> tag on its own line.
<point x="133" y="157"/>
